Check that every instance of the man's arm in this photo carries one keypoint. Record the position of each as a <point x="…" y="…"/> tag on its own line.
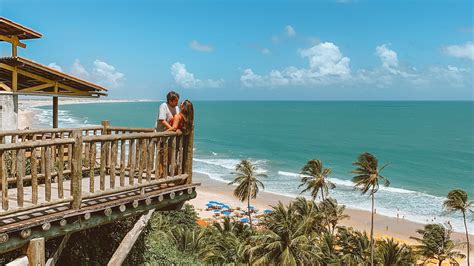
<point x="165" y="123"/>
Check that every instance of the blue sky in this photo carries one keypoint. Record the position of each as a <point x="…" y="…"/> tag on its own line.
<point x="269" y="50"/>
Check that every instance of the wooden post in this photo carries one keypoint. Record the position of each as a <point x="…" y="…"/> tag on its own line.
<point x="126" y="245"/>
<point x="76" y="172"/>
<point x="55" y="258"/>
<point x="35" y="252"/>
<point x="189" y="156"/>
<point x="4" y="177"/>
<point x="20" y="169"/>
<point x="105" y="131"/>
<point x="55" y="112"/>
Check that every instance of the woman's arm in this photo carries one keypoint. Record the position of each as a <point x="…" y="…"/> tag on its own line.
<point x="176" y="119"/>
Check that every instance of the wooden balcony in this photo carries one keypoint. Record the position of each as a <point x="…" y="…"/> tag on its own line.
<point x="58" y="181"/>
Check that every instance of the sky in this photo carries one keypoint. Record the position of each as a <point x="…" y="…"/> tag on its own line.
<point x="257" y="50"/>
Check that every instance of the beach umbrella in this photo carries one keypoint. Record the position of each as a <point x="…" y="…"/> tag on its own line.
<point x="217" y="211"/>
<point x="244" y="220"/>
<point x="209" y="205"/>
<point x="267" y="211"/>
<point x="226" y="213"/>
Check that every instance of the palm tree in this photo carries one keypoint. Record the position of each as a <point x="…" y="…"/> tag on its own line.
<point x="390" y="252"/>
<point x="436" y="243"/>
<point x="286" y="240"/>
<point x="355" y="246"/>
<point x="189" y="241"/>
<point x="247" y="183"/>
<point x="334" y="212"/>
<point x="314" y="178"/>
<point x="457" y="200"/>
<point x="367" y="180"/>
<point x="306" y="209"/>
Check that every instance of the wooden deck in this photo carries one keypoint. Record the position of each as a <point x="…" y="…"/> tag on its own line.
<point x="78" y="181"/>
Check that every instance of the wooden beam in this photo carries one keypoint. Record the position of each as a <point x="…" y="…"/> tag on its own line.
<point x="55" y="258"/>
<point x="43" y="79"/>
<point x="129" y="240"/>
<point x="55" y="112"/>
<point x="15" y="79"/>
<point x="37" y="87"/>
<point x="5" y="87"/>
<point x="35" y="252"/>
<point x="12" y="40"/>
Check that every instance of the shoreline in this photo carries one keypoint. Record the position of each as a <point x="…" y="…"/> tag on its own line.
<point x="399" y="229"/>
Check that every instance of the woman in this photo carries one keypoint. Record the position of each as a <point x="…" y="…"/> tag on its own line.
<point x="183" y="120"/>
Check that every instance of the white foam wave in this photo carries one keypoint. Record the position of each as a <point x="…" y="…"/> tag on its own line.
<point x="349" y="183"/>
<point x="283" y="173"/>
<point x="224" y="163"/>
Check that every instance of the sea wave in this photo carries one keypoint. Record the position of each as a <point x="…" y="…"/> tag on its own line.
<point x="348" y="183"/>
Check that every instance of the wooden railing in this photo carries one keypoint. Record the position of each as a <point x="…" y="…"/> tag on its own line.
<point x="70" y="165"/>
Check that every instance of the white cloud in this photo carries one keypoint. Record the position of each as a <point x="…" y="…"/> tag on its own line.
<point x="55" y="67"/>
<point x="187" y="80"/>
<point x="101" y="73"/>
<point x="326" y="65"/>
<point x="326" y="59"/>
<point x="107" y="74"/>
<point x="290" y="31"/>
<point x="79" y="70"/>
<point x="195" y="45"/>
<point x="388" y="57"/>
<point x="461" y="51"/>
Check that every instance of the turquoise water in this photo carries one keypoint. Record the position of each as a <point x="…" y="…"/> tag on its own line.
<point x="430" y="145"/>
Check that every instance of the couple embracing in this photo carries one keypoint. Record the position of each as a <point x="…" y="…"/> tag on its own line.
<point x="172" y="118"/>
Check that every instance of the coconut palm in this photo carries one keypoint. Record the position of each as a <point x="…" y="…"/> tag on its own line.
<point x="367" y="180"/>
<point x="306" y="209"/>
<point x="248" y="183"/>
<point x="457" y="200"/>
<point x="355" y="246"/>
<point x="189" y="241"/>
<point x="436" y="243"/>
<point x="333" y="212"/>
<point x="286" y="240"/>
<point x="390" y="252"/>
<point x="222" y="247"/>
<point x="314" y="179"/>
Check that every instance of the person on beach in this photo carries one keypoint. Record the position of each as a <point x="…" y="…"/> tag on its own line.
<point x="167" y="111"/>
<point x="183" y="121"/>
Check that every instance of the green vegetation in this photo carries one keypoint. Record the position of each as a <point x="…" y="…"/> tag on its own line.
<point x="367" y="180"/>
<point x="246" y="178"/>
<point x="457" y="200"/>
<point x="435" y="243"/>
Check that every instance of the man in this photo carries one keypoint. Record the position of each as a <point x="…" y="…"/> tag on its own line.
<point x="167" y="111"/>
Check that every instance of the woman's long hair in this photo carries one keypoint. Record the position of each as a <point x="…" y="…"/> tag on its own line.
<point x="188" y="116"/>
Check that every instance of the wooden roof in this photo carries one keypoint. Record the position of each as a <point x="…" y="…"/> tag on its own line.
<point x="10" y="28"/>
<point x="37" y="79"/>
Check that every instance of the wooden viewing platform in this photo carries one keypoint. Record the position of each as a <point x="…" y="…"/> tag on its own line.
<point x="58" y="181"/>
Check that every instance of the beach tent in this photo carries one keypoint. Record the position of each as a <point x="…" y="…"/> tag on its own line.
<point x="21" y="76"/>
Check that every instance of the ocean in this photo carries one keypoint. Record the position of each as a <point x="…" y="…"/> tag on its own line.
<point x="429" y="145"/>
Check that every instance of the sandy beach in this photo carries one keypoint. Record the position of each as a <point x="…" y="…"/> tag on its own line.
<point x="399" y="229"/>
